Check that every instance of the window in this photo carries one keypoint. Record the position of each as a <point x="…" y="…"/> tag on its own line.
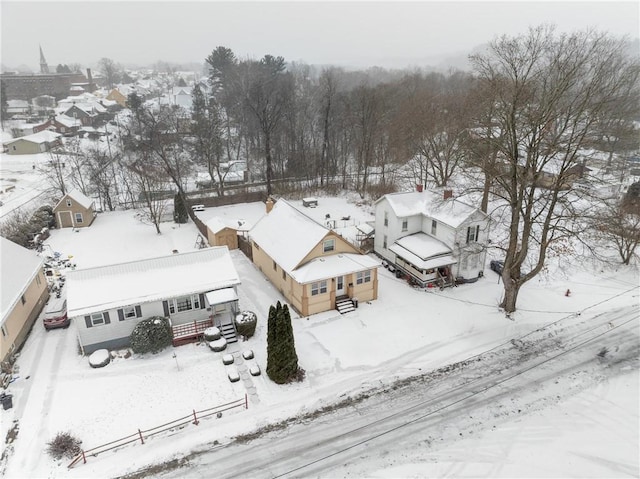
<point x="284" y="275"/>
<point x="405" y="225"/>
<point x="38" y="280"/>
<point x="329" y="245"/>
<point x="386" y="219"/>
<point x="384" y="242"/>
<point x="256" y="245"/>
<point x="275" y="266"/>
<point x="318" y="288"/>
<point x="130" y="312"/>
<point x="472" y="233"/>
<point x="22" y="299"/>
<point x="78" y="217"/>
<point x="4" y="331"/>
<point x="363" y="277"/>
<point x="97" y="319"/>
<point x="434" y="227"/>
<point x="68" y="202"/>
<point x="184" y="303"/>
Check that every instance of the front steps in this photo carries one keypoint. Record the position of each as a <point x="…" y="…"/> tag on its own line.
<point x="345" y="305"/>
<point x="228" y="331"/>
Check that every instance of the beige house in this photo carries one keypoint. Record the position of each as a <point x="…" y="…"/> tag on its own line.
<point x="118" y="97"/>
<point x="219" y="233"/>
<point x="32" y="144"/>
<point x="74" y="210"/>
<point x="23" y="294"/>
<point x="313" y="267"/>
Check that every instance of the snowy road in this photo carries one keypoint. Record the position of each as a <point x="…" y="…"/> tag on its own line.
<point x="418" y="418"/>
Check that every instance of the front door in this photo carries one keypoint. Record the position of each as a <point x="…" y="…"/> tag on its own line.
<point x="339" y="286"/>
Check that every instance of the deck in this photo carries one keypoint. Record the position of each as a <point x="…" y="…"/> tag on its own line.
<point x="189" y="332"/>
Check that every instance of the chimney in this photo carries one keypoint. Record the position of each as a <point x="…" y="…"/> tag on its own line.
<point x="448" y="194"/>
<point x="269" y="203"/>
<point x="90" y="80"/>
<point x="419" y="188"/>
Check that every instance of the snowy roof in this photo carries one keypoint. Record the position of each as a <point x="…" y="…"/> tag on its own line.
<point x="68" y="121"/>
<point x="107" y="287"/>
<point x="217" y="224"/>
<point x="287" y="235"/>
<point x="44" y="136"/>
<point x="18" y="267"/>
<point x="17" y="104"/>
<point x="423" y="251"/>
<point x="219" y="296"/>
<point x="451" y="211"/>
<point x="79" y="197"/>
<point x="333" y="265"/>
<point x="365" y="228"/>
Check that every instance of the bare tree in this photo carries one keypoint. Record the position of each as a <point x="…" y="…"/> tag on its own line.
<point x="111" y="70"/>
<point x="547" y="90"/>
<point x="267" y="96"/>
<point x="206" y="139"/>
<point x="619" y="226"/>
<point x="155" y="135"/>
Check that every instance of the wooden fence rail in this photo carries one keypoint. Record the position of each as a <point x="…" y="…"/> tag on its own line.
<point x="140" y="435"/>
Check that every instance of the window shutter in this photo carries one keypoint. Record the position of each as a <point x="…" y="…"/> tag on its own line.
<point x="468" y="233"/>
<point x="138" y="312"/>
<point x="121" y="315"/>
<point x="106" y="318"/>
<point x="165" y="305"/>
<point x="201" y="300"/>
<point x="87" y="319"/>
<point x="477" y="232"/>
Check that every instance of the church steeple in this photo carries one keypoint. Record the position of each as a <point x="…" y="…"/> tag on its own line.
<point x="44" y="68"/>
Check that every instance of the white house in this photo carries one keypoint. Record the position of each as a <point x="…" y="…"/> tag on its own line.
<point x="432" y="238"/>
<point x="194" y="290"/>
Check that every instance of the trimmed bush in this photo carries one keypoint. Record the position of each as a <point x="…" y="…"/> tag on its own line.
<point x="151" y="335"/>
<point x="246" y="323"/>
<point x="211" y="334"/>
<point x="227" y="359"/>
<point x="64" y="445"/>
<point x="99" y="358"/>
<point x="218" y="345"/>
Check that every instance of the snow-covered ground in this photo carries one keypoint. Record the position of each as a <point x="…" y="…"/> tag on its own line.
<point x="405" y="332"/>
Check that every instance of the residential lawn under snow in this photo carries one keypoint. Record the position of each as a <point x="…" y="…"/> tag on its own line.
<point x="404" y="332"/>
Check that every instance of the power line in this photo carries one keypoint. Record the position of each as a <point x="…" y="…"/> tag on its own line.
<point x="448" y="405"/>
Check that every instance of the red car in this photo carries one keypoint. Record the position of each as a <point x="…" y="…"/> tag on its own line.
<point x="55" y="314"/>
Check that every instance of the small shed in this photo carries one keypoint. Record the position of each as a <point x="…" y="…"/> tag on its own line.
<point x="219" y="233"/>
<point x="74" y="210"/>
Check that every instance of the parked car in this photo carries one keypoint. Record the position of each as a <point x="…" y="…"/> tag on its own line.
<point x="55" y="314"/>
<point x="497" y="265"/>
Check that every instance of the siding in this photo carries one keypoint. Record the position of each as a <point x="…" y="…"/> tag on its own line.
<point x="23" y="316"/>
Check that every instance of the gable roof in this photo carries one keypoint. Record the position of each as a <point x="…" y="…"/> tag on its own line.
<point x="102" y="288"/>
<point x="18" y="267"/>
<point x="287" y="235"/>
<point x="44" y="136"/>
<point x="78" y="196"/>
<point x="217" y="224"/>
<point x="451" y="211"/>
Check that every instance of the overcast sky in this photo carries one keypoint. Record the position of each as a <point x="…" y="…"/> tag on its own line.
<point x="359" y="34"/>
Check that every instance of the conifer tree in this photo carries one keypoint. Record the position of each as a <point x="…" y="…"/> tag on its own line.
<point x="282" y="360"/>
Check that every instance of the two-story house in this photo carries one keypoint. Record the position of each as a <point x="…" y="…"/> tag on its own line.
<point x="430" y="237"/>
